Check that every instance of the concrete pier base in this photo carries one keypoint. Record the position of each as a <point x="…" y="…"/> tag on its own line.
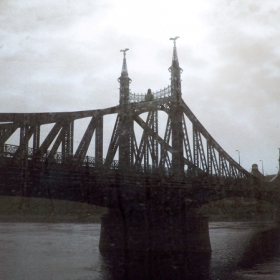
<point x="277" y="216"/>
<point x="154" y="231"/>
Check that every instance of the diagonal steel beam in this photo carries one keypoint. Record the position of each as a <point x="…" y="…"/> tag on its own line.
<point x="186" y="141"/>
<point x="113" y="143"/>
<point x="6" y="131"/>
<point x="48" y="140"/>
<point x="57" y="142"/>
<point x="208" y="137"/>
<point x="85" y="142"/>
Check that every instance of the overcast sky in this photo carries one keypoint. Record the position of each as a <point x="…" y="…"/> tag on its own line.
<point x="65" y="56"/>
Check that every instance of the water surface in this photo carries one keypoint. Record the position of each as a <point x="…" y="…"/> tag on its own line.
<point x="245" y="250"/>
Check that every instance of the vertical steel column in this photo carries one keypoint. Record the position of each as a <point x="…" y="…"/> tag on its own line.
<point x="177" y="140"/>
<point x="146" y="154"/>
<point x="164" y="154"/>
<point x="209" y="157"/>
<point x="195" y="147"/>
<point x="23" y="154"/>
<point x="154" y="141"/>
<point x="36" y="137"/>
<point x="67" y="141"/>
<point x="23" y="141"/>
<point x="99" y="141"/>
<point x="126" y="140"/>
<point x="126" y="121"/>
<point x="2" y="142"/>
<point x="221" y="168"/>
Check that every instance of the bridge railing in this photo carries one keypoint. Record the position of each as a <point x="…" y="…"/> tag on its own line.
<point x="60" y="158"/>
<point x="9" y="151"/>
<point x="135" y="98"/>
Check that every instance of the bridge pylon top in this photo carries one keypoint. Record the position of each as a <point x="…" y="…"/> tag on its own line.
<point x="175" y="60"/>
<point x="124" y="72"/>
<point x="124" y="81"/>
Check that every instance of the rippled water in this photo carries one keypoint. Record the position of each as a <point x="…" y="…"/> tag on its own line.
<point x="246" y="250"/>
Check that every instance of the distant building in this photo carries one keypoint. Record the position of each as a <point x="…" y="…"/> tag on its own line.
<point x="255" y="171"/>
<point x="267" y="178"/>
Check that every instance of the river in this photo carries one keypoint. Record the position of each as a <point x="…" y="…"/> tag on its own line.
<point x="41" y="251"/>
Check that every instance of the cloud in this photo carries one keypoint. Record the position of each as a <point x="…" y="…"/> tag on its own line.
<point x="64" y="56"/>
<point x="241" y="94"/>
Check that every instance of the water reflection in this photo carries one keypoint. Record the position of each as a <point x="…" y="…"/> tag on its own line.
<point x="246" y="250"/>
<point x="264" y="247"/>
<point x="150" y="265"/>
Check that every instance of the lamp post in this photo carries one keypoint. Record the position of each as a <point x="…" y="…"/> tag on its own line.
<point x="238" y="156"/>
<point x="262" y="166"/>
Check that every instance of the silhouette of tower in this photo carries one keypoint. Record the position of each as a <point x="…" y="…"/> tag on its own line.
<point x="125" y="120"/>
<point x="124" y="81"/>
<point x="176" y="115"/>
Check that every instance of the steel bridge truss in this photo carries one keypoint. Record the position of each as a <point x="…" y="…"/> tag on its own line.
<point x="147" y="152"/>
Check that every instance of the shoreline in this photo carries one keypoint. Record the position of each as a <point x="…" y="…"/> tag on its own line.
<point x="27" y="218"/>
<point x="96" y="218"/>
<point x="38" y="210"/>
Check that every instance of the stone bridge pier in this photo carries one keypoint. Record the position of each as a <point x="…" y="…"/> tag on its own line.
<point x="277" y="216"/>
<point x="154" y="231"/>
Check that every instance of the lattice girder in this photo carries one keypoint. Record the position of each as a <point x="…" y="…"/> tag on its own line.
<point x="48" y="140"/>
<point x="99" y="141"/>
<point x="213" y="167"/>
<point x="126" y="142"/>
<point x="113" y="146"/>
<point x="57" y="143"/>
<point x="186" y="141"/>
<point x="135" y="146"/>
<point x="206" y="154"/>
<point x="224" y="168"/>
<point x="149" y="143"/>
<point x="85" y="142"/>
<point x="36" y="137"/>
<point x="199" y="155"/>
<point x="164" y="155"/>
<point x="6" y="131"/>
<point x="26" y="132"/>
<point x="67" y="141"/>
<point x="141" y="151"/>
<point x="224" y="159"/>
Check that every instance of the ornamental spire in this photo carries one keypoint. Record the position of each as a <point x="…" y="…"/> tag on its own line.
<point x="175" y="71"/>
<point x="124" y="81"/>
<point x="124" y="66"/>
<point x="175" y="60"/>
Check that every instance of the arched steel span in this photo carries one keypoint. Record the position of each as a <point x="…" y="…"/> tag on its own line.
<point x="214" y="161"/>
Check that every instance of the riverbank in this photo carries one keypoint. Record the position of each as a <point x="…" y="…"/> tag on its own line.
<point x="238" y="209"/>
<point x="39" y="210"/>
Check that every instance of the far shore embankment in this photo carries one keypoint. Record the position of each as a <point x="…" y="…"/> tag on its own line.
<point x="39" y="210"/>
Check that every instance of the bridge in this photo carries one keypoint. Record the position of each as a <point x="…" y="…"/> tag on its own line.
<point x="153" y="184"/>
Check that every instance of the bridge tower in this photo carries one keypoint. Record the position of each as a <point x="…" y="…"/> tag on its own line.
<point x="176" y="116"/>
<point x="125" y="120"/>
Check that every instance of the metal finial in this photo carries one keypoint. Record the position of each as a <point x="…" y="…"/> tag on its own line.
<point x="175" y="56"/>
<point x="174" y="39"/>
<point x="124" y="66"/>
<point x="124" y="51"/>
